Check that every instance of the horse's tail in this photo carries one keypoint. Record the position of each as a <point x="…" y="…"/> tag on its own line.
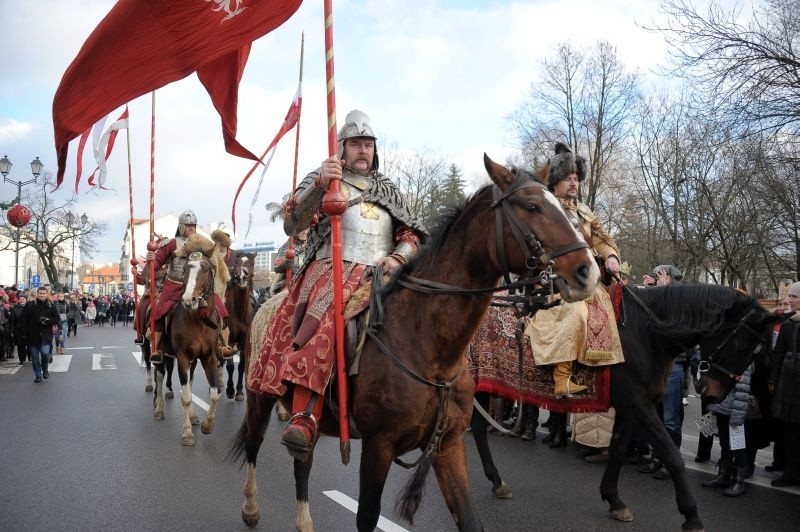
<point x="256" y="418"/>
<point x="408" y="503"/>
<point x="235" y="450"/>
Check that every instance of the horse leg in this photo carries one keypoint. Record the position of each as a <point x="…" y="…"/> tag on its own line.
<point x="239" y="381"/>
<point x="450" y="465"/>
<point x="609" y="486"/>
<point x="655" y="432"/>
<point x="210" y="365"/>
<point x="148" y="383"/>
<point x="248" y="441"/>
<point x="187" y="438"/>
<point x="158" y="398"/>
<point x="229" y="390"/>
<point x="169" y="364"/>
<point x="193" y="417"/>
<point x="479" y="426"/>
<point x="376" y="458"/>
<point x="302" y="471"/>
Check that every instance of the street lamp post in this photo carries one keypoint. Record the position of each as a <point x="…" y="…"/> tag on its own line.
<point x="36" y="170"/>
<point x="72" y="229"/>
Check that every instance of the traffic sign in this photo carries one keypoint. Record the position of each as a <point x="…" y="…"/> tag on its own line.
<point x="91" y="287"/>
<point x="36" y="281"/>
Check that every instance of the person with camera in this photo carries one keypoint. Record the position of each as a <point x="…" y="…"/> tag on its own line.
<point x="39" y="320"/>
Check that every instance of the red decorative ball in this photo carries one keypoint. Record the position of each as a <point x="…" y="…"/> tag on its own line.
<point x="19" y="215"/>
<point x="334" y="203"/>
<point x="134" y="262"/>
<point x="290" y="254"/>
<point x="152" y="246"/>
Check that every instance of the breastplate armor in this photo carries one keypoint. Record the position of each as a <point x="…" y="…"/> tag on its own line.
<point x="366" y="231"/>
<point x="176" y="266"/>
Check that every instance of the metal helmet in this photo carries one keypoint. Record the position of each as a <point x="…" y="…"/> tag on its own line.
<point x="358" y="124"/>
<point x="187" y="217"/>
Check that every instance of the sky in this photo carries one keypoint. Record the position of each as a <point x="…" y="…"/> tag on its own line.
<point x="439" y="74"/>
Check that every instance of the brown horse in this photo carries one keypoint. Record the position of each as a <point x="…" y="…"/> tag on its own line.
<point x="189" y="338"/>
<point x="241" y="308"/>
<point x="656" y="325"/>
<point x="411" y="391"/>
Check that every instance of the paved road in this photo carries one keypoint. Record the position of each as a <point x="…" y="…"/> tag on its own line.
<point x="82" y="452"/>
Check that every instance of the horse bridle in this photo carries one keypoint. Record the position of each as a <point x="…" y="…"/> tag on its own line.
<point x="538" y="262"/>
<point x="208" y="290"/>
<point x="712" y="361"/>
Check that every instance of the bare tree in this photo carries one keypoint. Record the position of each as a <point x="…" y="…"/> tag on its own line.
<point x="50" y="232"/>
<point x="747" y="71"/>
<point x="418" y="175"/>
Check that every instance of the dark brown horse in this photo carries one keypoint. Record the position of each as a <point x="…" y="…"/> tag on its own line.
<point x="656" y="325"/>
<point x="412" y="391"/>
<point x="188" y="337"/>
<point x="241" y="307"/>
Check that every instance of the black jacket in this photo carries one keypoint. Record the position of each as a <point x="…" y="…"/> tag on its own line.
<point x="785" y="374"/>
<point x="17" y="328"/>
<point x="38" y="318"/>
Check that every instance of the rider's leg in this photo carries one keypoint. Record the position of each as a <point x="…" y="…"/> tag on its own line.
<point x="564" y="386"/>
<point x="156" y="357"/>
<point x="225" y="349"/>
<point x="301" y="432"/>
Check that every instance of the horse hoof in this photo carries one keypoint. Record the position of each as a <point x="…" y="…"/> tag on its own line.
<point x="148" y="388"/>
<point x="251" y="520"/>
<point x="502" y="492"/>
<point x="158" y="415"/>
<point x="206" y="427"/>
<point x="194" y="420"/>
<point x="239" y="396"/>
<point x="230" y="392"/>
<point x="169" y="395"/>
<point x="187" y="441"/>
<point x="623" y="514"/>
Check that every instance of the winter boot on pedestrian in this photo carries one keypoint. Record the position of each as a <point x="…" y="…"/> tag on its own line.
<point x="724" y="475"/>
<point x="560" y="437"/>
<point x="551" y="427"/>
<point x="737" y="486"/>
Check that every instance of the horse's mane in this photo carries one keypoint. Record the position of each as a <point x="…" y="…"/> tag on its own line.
<point x="688" y="309"/>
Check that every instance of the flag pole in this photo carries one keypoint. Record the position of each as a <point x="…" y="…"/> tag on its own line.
<point x="134" y="261"/>
<point x="152" y="246"/>
<point x="290" y="255"/>
<point x="334" y="204"/>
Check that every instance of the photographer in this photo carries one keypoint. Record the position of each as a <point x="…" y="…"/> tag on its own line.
<point x="39" y="321"/>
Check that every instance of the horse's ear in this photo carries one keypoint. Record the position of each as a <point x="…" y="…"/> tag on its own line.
<point x="543" y="174"/>
<point x="501" y="175"/>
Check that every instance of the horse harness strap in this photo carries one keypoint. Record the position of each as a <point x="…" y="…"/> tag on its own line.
<point x="711" y="362"/>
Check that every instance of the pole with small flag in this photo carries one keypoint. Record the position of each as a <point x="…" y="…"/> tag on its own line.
<point x="152" y="246"/>
<point x="290" y="254"/>
<point x="134" y="261"/>
<point x="333" y="205"/>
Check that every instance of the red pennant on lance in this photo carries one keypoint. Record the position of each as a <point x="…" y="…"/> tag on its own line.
<point x="292" y="116"/>
<point x="142" y="45"/>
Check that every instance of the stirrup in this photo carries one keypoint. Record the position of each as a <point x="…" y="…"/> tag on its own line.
<point x="156" y="357"/>
<point x="299" y="435"/>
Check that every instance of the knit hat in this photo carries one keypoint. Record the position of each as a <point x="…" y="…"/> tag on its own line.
<point x="671" y="270"/>
<point x="564" y="163"/>
<point x="794" y="289"/>
<point x="221" y="237"/>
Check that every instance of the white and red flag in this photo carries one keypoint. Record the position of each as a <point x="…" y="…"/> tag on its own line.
<point x="289" y="122"/>
<point x="142" y="45"/>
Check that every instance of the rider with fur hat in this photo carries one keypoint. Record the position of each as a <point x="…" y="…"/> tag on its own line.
<point x="377" y="229"/>
<point x="222" y="243"/>
<point x="561" y="335"/>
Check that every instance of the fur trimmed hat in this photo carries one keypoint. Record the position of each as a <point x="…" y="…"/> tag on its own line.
<point x="221" y="237"/>
<point x="564" y="163"/>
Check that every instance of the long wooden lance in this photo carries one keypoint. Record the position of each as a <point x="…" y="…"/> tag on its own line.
<point x="334" y="205"/>
<point x="152" y="246"/>
<point x="134" y="261"/>
<point x="290" y="254"/>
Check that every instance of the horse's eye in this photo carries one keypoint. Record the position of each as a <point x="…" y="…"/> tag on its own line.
<point x="530" y="207"/>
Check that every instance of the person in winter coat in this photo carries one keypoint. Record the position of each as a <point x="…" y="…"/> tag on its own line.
<point x="784" y="383"/>
<point x="17" y="329"/>
<point x="102" y="310"/>
<point x="91" y="312"/>
<point x="61" y="307"/>
<point x="730" y="413"/>
<point x="73" y="315"/>
<point x="39" y="320"/>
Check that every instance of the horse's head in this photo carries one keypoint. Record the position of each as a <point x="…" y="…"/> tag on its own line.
<point x="198" y="280"/>
<point x="726" y="354"/>
<point x="242" y="274"/>
<point x="536" y="233"/>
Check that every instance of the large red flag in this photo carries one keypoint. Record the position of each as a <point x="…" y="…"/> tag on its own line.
<point x="142" y="45"/>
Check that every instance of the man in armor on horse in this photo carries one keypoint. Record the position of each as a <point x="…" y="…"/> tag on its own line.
<point x="378" y="229"/>
<point x="172" y="290"/>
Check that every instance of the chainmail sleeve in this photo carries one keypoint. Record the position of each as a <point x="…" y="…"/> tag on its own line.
<point x="307" y="200"/>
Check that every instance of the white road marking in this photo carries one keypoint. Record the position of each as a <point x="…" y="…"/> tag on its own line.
<point x="9" y="368"/>
<point x="77" y="348"/>
<point x="60" y="363"/>
<point x="113" y="346"/>
<point x="138" y="356"/>
<point x="383" y="523"/>
<point x="98" y="362"/>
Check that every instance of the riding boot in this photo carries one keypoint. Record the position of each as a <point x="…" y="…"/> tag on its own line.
<point x="563" y="384"/>
<point x="560" y="433"/>
<point x="224" y="348"/>
<point x="724" y="475"/>
<point x="301" y="431"/>
<point x="737" y="486"/>
<point x="155" y="356"/>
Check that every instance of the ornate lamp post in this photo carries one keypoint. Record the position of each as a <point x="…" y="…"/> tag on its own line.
<point x="19" y="215"/>
<point x="73" y="229"/>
